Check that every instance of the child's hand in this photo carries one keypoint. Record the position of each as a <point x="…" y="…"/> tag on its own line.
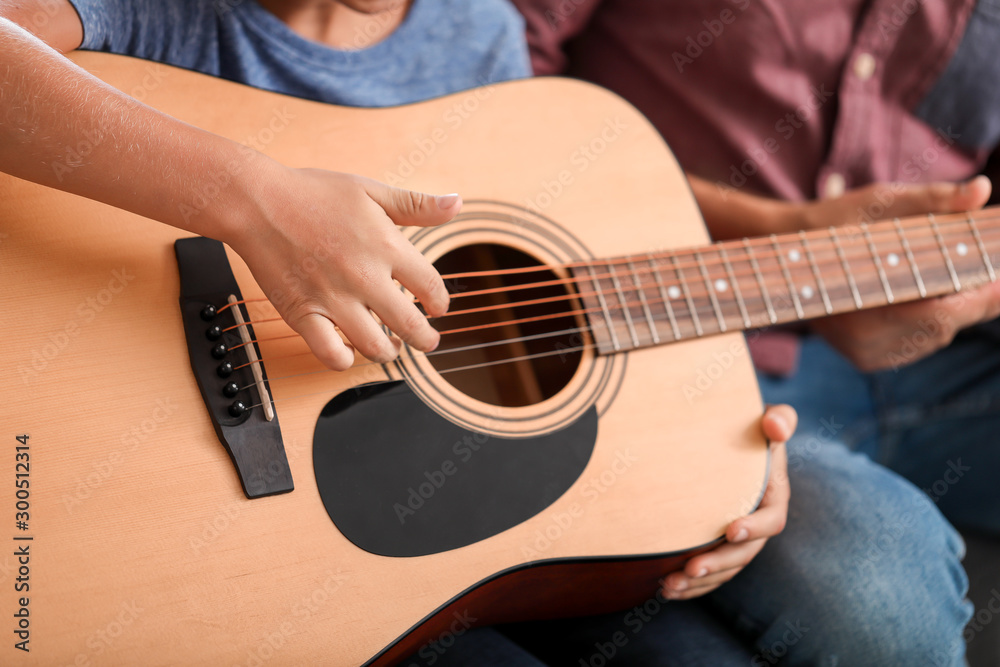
<point x="748" y="535"/>
<point x="325" y="249"/>
<point x="323" y="246"/>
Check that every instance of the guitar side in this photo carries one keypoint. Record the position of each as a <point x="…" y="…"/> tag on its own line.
<point x="146" y="550"/>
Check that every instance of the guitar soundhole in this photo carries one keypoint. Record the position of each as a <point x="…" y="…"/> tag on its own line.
<point x="523" y="343"/>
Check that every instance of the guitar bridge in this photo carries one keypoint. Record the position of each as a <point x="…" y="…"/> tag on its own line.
<point x="229" y="372"/>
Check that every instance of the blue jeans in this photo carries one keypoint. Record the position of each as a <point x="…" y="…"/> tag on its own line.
<point x="866" y="572"/>
<point x="935" y="422"/>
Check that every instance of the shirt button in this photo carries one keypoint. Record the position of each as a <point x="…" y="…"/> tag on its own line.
<point x="834" y="186"/>
<point x="864" y="66"/>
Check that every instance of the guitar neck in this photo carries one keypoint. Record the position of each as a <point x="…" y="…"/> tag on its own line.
<point x="640" y="301"/>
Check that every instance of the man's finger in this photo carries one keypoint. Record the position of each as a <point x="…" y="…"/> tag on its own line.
<point x="969" y="307"/>
<point x="935" y="197"/>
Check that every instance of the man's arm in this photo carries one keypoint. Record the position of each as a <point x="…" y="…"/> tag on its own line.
<point x="270" y="214"/>
<point x="871" y="339"/>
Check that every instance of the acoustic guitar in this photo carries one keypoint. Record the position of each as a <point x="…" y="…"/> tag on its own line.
<point x="183" y="483"/>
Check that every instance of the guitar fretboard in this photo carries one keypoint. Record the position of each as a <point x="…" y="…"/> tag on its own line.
<point x="643" y="300"/>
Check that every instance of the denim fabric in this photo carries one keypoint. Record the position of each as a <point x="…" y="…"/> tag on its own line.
<point x="666" y="634"/>
<point x="657" y="632"/>
<point x="935" y="422"/>
<point x="867" y="571"/>
<point x="482" y="647"/>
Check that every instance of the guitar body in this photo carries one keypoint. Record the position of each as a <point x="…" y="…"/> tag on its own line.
<point x="145" y="549"/>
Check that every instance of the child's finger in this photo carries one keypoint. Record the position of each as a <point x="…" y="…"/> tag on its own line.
<point x="398" y="312"/>
<point x="321" y="336"/>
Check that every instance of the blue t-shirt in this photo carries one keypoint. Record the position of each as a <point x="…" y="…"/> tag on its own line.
<point x="441" y="47"/>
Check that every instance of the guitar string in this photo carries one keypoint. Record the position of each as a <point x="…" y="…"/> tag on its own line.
<point x="635" y="287"/>
<point x="964" y="221"/>
<point x="485" y="364"/>
<point x="261" y="340"/>
<point x="822" y="256"/>
<point x="466" y="348"/>
<point x="657" y="318"/>
<point x="468" y="367"/>
<point x="915" y="223"/>
<point x="844" y="302"/>
<point x="696" y="287"/>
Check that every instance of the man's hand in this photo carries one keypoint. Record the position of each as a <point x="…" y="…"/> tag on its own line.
<point x="748" y="535"/>
<point x="891" y="336"/>
<point x="885" y="201"/>
<point x="326" y="251"/>
<point x="883" y="337"/>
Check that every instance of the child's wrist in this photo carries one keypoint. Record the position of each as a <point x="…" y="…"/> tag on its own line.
<point x="245" y="201"/>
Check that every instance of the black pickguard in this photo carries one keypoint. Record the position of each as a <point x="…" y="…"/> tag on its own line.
<point x="398" y="479"/>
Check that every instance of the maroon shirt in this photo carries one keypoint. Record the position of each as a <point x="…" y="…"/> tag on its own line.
<point x="796" y="100"/>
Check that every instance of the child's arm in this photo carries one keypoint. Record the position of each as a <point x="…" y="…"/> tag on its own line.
<point x="275" y="217"/>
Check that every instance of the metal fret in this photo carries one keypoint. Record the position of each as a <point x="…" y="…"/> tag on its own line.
<point x="666" y="298"/>
<point x="815" y="269"/>
<point x="982" y="248"/>
<point x="645" y="306"/>
<point x="624" y="304"/>
<point x="736" y="286"/>
<point x="687" y="297"/>
<point x="909" y="258"/>
<point x="711" y="292"/>
<point x="878" y="262"/>
<point x="788" y="277"/>
<point x="944" y="251"/>
<point x="760" y="281"/>
<point x="604" y="307"/>
<point x="847" y="268"/>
